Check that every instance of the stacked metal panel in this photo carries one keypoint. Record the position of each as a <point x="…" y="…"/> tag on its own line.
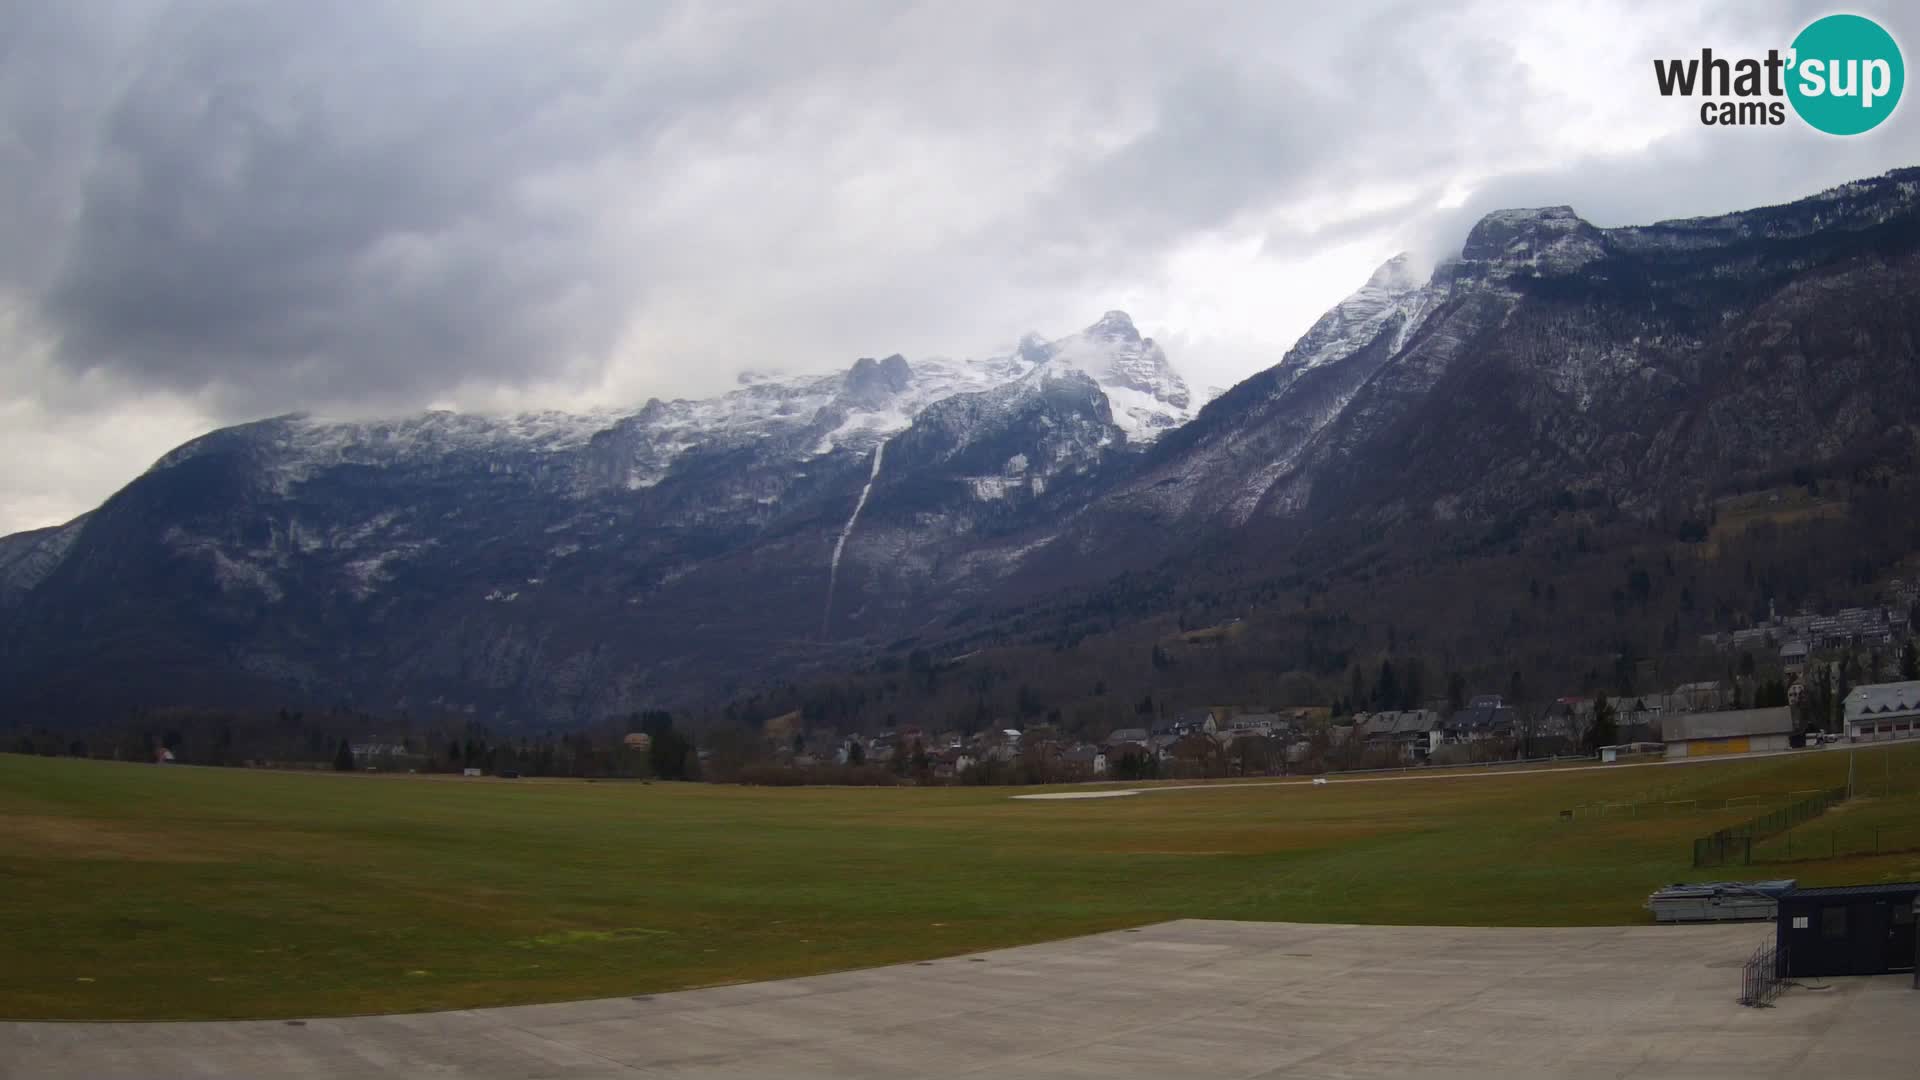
<point x="1717" y="901"/>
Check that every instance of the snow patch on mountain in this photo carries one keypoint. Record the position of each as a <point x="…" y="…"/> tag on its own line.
<point x="840" y="545"/>
<point x="773" y="416"/>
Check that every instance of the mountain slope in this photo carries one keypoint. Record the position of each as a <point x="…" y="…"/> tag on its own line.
<point x="1647" y="363"/>
<point x="555" y="569"/>
<point x="1552" y="364"/>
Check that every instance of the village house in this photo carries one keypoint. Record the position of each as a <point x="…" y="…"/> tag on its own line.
<point x="1695" y="697"/>
<point x="859" y="750"/>
<point x="1793" y="657"/>
<point x="1187" y="721"/>
<point x="1636" y="719"/>
<point x="1085" y="761"/>
<point x="998" y="746"/>
<point x="1413" y="734"/>
<point x="1161" y="746"/>
<point x="1487" y="719"/>
<point x="1558" y="730"/>
<point x="950" y="762"/>
<point x="1197" y="750"/>
<point x="1418" y="733"/>
<point x="1263" y="723"/>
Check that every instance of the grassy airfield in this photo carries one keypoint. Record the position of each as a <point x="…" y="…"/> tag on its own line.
<point x="143" y="892"/>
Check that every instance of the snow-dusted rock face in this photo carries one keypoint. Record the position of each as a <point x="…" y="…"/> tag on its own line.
<point x="1392" y="299"/>
<point x="795" y="418"/>
<point x="1147" y="396"/>
<point x="1553" y="240"/>
<point x="552" y="568"/>
<point x="767" y="498"/>
<point x="778" y="422"/>
<point x="27" y="558"/>
<point x="1553" y="355"/>
<point x="1254" y="436"/>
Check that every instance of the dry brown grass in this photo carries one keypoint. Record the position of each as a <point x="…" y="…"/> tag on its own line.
<point x="79" y="838"/>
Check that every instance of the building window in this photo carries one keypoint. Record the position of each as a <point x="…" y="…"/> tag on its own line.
<point x="1833" y="922"/>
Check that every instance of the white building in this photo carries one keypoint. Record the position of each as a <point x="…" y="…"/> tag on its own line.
<point x="1883" y="711"/>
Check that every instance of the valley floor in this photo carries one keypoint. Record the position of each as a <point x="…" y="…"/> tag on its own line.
<point x="138" y="892"/>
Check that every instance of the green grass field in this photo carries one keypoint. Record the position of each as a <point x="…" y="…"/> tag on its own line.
<point x="1869" y="823"/>
<point x="134" y="891"/>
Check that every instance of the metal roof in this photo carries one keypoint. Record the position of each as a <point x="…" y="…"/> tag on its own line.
<point x="1415" y="720"/>
<point x="1723" y="725"/>
<point x="1896" y="888"/>
<point x="1882" y="698"/>
<point x="1773" y="887"/>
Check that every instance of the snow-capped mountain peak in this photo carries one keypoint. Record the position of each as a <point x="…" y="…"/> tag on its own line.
<point x="772" y="416"/>
<point x="551" y="569"/>
<point x="1114" y="326"/>
<point x="1391" y="292"/>
<point x="1147" y="395"/>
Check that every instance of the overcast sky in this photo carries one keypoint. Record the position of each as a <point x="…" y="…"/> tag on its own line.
<point x="212" y="212"/>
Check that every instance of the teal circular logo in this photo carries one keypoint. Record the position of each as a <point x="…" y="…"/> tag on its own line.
<point x="1847" y="74"/>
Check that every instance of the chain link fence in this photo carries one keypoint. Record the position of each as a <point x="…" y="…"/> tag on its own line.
<point x="1735" y="842"/>
<point x="1801" y="845"/>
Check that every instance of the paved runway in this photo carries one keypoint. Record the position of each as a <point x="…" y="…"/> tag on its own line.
<point x="1187" y="998"/>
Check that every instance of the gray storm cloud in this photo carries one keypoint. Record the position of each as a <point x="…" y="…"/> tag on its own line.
<point x="214" y="211"/>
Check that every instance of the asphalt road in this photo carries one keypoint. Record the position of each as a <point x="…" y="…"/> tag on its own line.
<point x="1188" y="998"/>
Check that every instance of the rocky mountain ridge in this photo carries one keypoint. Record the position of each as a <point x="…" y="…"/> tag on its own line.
<point x="550" y="569"/>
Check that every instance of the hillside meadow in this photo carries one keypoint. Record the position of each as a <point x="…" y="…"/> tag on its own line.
<point x="147" y="892"/>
